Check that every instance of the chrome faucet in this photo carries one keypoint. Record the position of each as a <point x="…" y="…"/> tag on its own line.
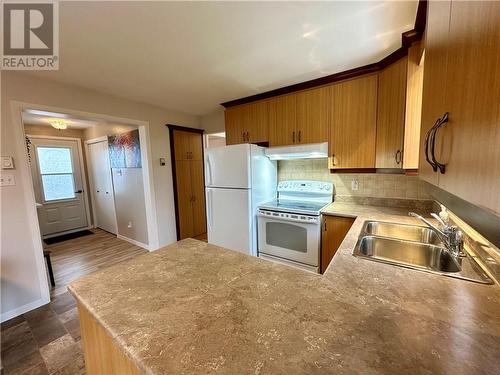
<point x="450" y="235"/>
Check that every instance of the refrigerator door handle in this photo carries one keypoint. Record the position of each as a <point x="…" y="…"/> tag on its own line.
<point x="209" y="171"/>
<point x="209" y="208"/>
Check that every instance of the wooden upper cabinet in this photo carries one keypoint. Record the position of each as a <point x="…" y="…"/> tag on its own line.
<point x="434" y="85"/>
<point x="282" y="120"/>
<point x="469" y="144"/>
<point x="256" y="122"/>
<point x="353" y="123"/>
<point x="187" y="145"/>
<point x="313" y="110"/>
<point x="414" y="82"/>
<point x="233" y="118"/>
<point x="247" y="123"/>
<point x="391" y="115"/>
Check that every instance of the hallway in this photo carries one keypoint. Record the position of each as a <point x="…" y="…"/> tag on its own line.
<point x="47" y="340"/>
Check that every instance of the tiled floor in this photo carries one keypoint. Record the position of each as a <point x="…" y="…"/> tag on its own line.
<point x="47" y="340"/>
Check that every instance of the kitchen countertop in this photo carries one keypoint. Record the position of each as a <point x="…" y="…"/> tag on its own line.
<point x="197" y="308"/>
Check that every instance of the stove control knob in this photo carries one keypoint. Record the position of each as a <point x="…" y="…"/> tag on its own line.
<point x="328" y="187"/>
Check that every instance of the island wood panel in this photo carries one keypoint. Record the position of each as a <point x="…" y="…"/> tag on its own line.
<point x="102" y="355"/>
<point x="470" y="141"/>
<point x="313" y="110"/>
<point x="184" y="198"/>
<point x="353" y="123"/>
<point x="233" y="120"/>
<point x="198" y="204"/>
<point x="333" y="233"/>
<point x="413" y="112"/>
<point x="391" y="115"/>
<point x="434" y="85"/>
<point x="282" y="120"/>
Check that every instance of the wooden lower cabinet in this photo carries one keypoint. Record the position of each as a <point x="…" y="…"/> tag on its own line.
<point x="102" y="356"/>
<point x="333" y="233"/>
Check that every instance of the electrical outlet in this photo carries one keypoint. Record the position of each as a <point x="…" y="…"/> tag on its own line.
<point x="129" y="224"/>
<point x="7" y="180"/>
<point x="354" y="185"/>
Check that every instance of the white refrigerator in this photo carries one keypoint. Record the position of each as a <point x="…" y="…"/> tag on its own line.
<point x="238" y="179"/>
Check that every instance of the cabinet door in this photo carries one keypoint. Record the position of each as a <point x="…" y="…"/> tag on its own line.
<point x="333" y="233"/>
<point x="471" y="139"/>
<point x="234" y="125"/>
<point x="198" y="204"/>
<point x="182" y="144"/>
<point x="256" y="122"/>
<point x="184" y="198"/>
<point x="196" y="146"/>
<point x="354" y="122"/>
<point x="282" y="120"/>
<point x="434" y="86"/>
<point x="313" y="115"/>
<point x="414" y="82"/>
<point x="391" y="115"/>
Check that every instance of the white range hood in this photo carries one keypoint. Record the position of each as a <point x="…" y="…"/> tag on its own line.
<point x="307" y="151"/>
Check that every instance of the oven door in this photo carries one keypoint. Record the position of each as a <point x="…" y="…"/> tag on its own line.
<point x="292" y="239"/>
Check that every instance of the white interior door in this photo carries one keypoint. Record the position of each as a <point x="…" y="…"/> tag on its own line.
<point x="58" y="183"/>
<point x="102" y="186"/>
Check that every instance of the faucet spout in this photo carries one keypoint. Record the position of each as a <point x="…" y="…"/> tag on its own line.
<point x="441" y="234"/>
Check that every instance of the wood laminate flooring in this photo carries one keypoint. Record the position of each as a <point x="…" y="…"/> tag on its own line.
<point x="47" y="340"/>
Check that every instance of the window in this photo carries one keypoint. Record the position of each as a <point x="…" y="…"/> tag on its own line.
<point x="56" y="171"/>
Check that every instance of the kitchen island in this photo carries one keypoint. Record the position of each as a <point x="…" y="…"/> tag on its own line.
<point x="196" y="308"/>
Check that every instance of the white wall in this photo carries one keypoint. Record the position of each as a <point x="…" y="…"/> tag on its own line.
<point x="20" y="283"/>
<point x="213" y="122"/>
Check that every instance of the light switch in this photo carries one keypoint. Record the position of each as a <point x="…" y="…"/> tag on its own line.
<point x="7" y="180"/>
<point x="7" y="162"/>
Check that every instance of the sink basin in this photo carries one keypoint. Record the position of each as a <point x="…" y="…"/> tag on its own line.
<point x="402" y="231"/>
<point x="412" y="254"/>
<point x="414" y="247"/>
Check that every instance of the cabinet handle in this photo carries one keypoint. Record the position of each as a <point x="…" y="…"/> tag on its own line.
<point x="440" y="122"/>
<point x="299" y="136"/>
<point x="427" y="138"/>
<point x="248" y="137"/>
<point x="293" y="137"/>
<point x="398" y="157"/>
<point x="324" y="224"/>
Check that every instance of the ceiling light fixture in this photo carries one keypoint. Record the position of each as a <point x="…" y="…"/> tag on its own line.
<point x="58" y="124"/>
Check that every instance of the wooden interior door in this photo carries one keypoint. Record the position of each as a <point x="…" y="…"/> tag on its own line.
<point x="354" y="123"/>
<point x="434" y="86"/>
<point x="333" y="233"/>
<point x="391" y="115"/>
<point x="282" y="120"/>
<point x="184" y="198"/>
<point x="198" y="202"/>
<point x="182" y="144"/>
<point x="470" y="141"/>
<point x="313" y="110"/>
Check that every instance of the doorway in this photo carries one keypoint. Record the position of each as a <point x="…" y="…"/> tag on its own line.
<point x="101" y="184"/>
<point x="58" y="181"/>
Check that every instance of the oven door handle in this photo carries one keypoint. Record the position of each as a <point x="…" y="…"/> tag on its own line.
<point x="316" y="220"/>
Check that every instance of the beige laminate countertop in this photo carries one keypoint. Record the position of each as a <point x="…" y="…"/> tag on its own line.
<point x="197" y="308"/>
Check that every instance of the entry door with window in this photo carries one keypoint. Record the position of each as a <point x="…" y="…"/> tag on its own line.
<point x="58" y="184"/>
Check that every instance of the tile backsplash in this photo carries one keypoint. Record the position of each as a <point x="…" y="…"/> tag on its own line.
<point x="378" y="185"/>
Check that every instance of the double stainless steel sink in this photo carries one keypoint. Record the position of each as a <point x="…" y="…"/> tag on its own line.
<point x="416" y="247"/>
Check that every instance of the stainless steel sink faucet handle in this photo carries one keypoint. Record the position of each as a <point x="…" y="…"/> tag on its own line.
<point x="451" y="235"/>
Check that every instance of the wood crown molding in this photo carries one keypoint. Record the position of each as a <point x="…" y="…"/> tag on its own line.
<point x="407" y="39"/>
<point x="185" y="128"/>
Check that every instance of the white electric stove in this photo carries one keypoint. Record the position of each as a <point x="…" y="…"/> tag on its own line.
<point x="289" y="228"/>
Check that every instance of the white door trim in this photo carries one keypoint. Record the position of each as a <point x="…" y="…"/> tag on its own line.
<point x="83" y="177"/>
<point x="16" y="108"/>
<point x="91" y="182"/>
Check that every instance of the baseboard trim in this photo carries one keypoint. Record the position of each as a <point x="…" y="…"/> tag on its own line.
<point x="23" y="309"/>
<point x="134" y="242"/>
